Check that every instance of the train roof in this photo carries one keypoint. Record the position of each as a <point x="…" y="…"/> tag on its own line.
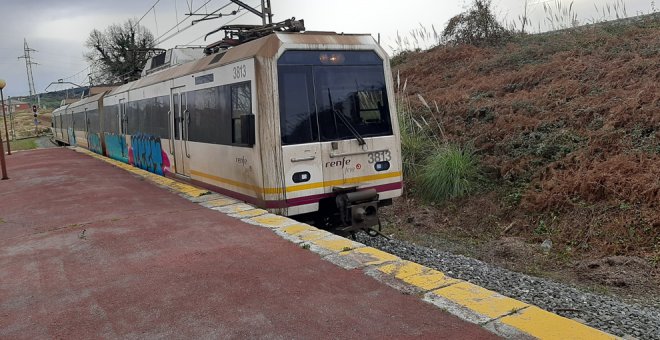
<point x="86" y="100"/>
<point x="266" y="47"/>
<point x="61" y="108"/>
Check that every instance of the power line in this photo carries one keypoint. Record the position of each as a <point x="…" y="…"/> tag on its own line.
<point x="163" y="38"/>
<point x="230" y="21"/>
<point x="147" y="12"/>
<point x="136" y="24"/>
<point x="158" y="40"/>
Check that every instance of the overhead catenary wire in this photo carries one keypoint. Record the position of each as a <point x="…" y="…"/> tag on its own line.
<point x="147" y="12"/>
<point x="160" y="39"/>
<point x="152" y="8"/>
<point x="228" y="22"/>
<point x="165" y="37"/>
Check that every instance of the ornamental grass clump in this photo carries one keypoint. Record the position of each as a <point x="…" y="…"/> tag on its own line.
<point x="450" y="172"/>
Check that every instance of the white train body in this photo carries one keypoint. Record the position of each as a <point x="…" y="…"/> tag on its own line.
<point x="259" y="122"/>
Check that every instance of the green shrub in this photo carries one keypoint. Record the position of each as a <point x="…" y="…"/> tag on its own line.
<point x="477" y="26"/>
<point x="449" y="172"/>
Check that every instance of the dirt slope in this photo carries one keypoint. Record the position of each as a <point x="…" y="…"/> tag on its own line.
<point x="567" y="127"/>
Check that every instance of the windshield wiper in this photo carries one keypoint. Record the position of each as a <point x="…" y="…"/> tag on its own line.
<point x="346" y="122"/>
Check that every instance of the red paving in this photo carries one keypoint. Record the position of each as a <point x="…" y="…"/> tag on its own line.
<point x="153" y="264"/>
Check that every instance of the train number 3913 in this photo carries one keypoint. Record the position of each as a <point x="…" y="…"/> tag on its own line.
<point x="240" y="72"/>
<point x="379" y="156"/>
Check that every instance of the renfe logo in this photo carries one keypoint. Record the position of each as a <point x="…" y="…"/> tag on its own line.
<point x="338" y="164"/>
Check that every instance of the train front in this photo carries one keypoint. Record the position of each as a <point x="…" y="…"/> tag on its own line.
<point x="339" y="131"/>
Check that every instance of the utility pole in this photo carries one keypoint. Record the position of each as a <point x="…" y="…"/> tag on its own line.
<point x="28" y="67"/>
<point x="11" y="118"/>
<point x="3" y="165"/>
<point x="266" y="14"/>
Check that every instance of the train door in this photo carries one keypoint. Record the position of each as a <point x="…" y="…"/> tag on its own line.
<point x="123" y="119"/>
<point x="123" y="129"/>
<point x="86" y="129"/>
<point x="60" y="126"/>
<point x="301" y="150"/>
<point x="86" y="124"/>
<point x="72" y="130"/>
<point x="179" y="119"/>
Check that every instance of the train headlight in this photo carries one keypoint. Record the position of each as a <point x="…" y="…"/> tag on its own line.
<point x="382" y="166"/>
<point x="300" y="177"/>
<point x="331" y="58"/>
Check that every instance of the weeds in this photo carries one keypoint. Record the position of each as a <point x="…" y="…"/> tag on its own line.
<point x="450" y="172"/>
<point x="439" y="170"/>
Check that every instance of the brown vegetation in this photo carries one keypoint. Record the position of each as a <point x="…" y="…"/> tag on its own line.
<point x="567" y="128"/>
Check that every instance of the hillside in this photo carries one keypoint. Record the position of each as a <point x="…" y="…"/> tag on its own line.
<point x="566" y="126"/>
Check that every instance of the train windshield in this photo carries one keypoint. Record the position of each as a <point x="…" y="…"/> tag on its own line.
<point x="328" y="96"/>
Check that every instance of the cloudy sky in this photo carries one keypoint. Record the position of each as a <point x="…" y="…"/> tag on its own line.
<point x="58" y="29"/>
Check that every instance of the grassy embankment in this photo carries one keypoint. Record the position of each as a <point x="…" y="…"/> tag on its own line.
<point x="565" y="127"/>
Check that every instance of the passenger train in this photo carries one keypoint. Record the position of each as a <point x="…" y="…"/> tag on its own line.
<point x="295" y="123"/>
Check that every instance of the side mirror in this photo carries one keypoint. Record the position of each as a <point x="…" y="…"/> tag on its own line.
<point x="248" y="130"/>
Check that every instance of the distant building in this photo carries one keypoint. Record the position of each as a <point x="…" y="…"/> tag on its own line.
<point x="17" y="106"/>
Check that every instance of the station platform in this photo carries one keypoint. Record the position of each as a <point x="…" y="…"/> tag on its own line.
<point x="95" y="248"/>
<point x="88" y="250"/>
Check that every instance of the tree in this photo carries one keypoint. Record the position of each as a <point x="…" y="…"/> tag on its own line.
<point x="476" y="26"/>
<point x="120" y="52"/>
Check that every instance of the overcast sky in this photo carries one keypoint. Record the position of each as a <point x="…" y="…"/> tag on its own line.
<point x="58" y="29"/>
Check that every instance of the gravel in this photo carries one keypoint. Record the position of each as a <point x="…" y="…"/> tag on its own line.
<point x="606" y="313"/>
<point x="45" y="142"/>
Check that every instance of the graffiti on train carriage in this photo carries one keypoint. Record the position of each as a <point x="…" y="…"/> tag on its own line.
<point x="94" y="142"/>
<point x="72" y="137"/>
<point x="146" y="153"/>
<point x="116" y="147"/>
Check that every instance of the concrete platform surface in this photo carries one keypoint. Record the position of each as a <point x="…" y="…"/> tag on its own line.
<point x="88" y="250"/>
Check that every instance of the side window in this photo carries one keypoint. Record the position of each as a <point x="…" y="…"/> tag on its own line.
<point x="241" y="104"/>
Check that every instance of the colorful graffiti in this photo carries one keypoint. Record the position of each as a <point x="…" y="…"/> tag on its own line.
<point x="116" y="147"/>
<point x="146" y="153"/>
<point x="94" y="142"/>
<point x="72" y="137"/>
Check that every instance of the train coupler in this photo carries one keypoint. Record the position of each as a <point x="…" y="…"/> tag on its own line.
<point x="358" y="210"/>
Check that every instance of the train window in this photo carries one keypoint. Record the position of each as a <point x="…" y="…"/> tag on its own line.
<point x="110" y="121"/>
<point x="93" y="119"/>
<point x="356" y="92"/>
<point x="317" y="88"/>
<point x="79" y="123"/>
<point x="157" y="118"/>
<point x="133" y="114"/>
<point x="298" y="117"/>
<point x="241" y="104"/>
<point x="176" y="97"/>
<point x="210" y="115"/>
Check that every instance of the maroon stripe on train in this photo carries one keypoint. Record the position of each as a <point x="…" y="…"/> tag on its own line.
<point x="282" y="203"/>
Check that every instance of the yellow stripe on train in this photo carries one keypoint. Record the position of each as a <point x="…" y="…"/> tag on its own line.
<point x="300" y="187"/>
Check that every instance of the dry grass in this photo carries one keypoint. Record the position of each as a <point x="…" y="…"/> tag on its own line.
<point x="566" y="125"/>
<point x="23" y="124"/>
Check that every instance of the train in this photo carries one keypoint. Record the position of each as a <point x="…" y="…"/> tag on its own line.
<point x="297" y="123"/>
